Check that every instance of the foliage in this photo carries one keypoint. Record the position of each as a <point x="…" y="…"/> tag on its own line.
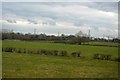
<point x="76" y="54"/>
<point x="63" y="53"/>
<point x="102" y="56"/>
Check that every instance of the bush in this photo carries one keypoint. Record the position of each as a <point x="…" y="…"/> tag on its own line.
<point x="76" y="54"/>
<point x="9" y="49"/>
<point x="24" y="51"/>
<point x="105" y="57"/>
<point x="108" y="57"/>
<point x="102" y="56"/>
<point x="13" y="49"/>
<point x="96" y="56"/>
<point x="43" y="52"/>
<point x="48" y="52"/>
<point x="55" y="52"/>
<point x="29" y="51"/>
<point x="19" y="50"/>
<point x="63" y="53"/>
<point x="38" y="52"/>
<point x="34" y="51"/>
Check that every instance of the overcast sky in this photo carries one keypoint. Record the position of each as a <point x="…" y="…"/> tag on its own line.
<point x="64" y="17"/>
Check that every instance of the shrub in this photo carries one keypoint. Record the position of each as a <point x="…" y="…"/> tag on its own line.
<point x="8" y="49"/>
<point x="55" y="52"/>
<point x="105" y="57"/>
<point x="24" y="51"/>
<point x="48" y="52"/>
<point x="78" y="54"/>
<point x="34" y="51"/>
<point x="13" y="49"/>
<point x="38" y="52"/>
<point x="19" y="50"/>
<point x="74" y="54"/>
<point x="108" y="57"/>
<point x="102" y="56"/>
<point x="63" y="53"/>
<point x="44" y="52"/>
<point x="96" y="56"/>
<point x="29" y="52"/>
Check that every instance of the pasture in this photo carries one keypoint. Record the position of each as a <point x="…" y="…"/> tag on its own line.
<point x="109" y="44"/>
<point x="42" y="66"/>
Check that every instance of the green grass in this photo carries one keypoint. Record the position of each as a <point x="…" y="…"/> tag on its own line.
<point x="17" y="65"/>
<point x="87" y="51"/>
<point x="104" y="43"/>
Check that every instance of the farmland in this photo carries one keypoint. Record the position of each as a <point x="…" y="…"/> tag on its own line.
<point x="35" y="65"/>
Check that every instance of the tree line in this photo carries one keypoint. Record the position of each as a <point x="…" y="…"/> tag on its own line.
<point x="78" y="38"/>
<point x="72" y="39"/>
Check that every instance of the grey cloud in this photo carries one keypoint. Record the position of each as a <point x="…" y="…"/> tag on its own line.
<point x="31" y="21"/>
<point x="61" y="1"/>
<point x="105" y="6"/>
<point x="33" y="12"/>
<point x="11" y="21"/>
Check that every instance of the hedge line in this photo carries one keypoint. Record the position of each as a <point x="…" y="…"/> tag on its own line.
<point x="105" y="57"/>
<point x="41" y="52"/>
<point x="58" y="53"/>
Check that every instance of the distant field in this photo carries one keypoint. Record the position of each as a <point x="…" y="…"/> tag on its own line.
<point x="87" y="51"/>
<point x="34" y="65"/>
<point x="104" y="43"/>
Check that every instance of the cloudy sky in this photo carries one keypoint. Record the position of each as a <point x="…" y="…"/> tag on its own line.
<point x="64" y="17"/>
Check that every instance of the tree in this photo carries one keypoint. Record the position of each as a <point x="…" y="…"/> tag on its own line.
<point x="81" y="38"/>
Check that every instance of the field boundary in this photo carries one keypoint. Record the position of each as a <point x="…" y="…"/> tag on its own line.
<point x="97" y="56"/>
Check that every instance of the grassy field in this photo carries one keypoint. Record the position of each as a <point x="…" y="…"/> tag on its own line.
<point x="104" y="43"/>
<point x="87" y="51"/>
<point x="34" y="65"/>
<point x="30" y="65"/>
